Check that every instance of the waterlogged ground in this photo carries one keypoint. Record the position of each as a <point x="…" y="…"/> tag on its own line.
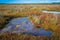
<point x="18" y="26"/>
<point x="25" y="26"/>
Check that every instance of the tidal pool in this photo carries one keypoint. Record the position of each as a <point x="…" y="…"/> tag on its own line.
<point x="25" y="26"/>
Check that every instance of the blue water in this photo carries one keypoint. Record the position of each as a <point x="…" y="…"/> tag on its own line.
<point x="25" y="28"/>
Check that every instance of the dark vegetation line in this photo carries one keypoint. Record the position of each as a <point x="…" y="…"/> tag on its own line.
<point x="27" y="3"/>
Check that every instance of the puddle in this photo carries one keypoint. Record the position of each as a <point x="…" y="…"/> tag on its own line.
<point x="25" y="26"/>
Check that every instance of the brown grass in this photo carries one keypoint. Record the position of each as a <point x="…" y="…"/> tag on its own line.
<point x="17" y="36"/>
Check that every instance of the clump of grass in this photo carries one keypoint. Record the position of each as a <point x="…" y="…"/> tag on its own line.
<point x="18" y="36"/>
